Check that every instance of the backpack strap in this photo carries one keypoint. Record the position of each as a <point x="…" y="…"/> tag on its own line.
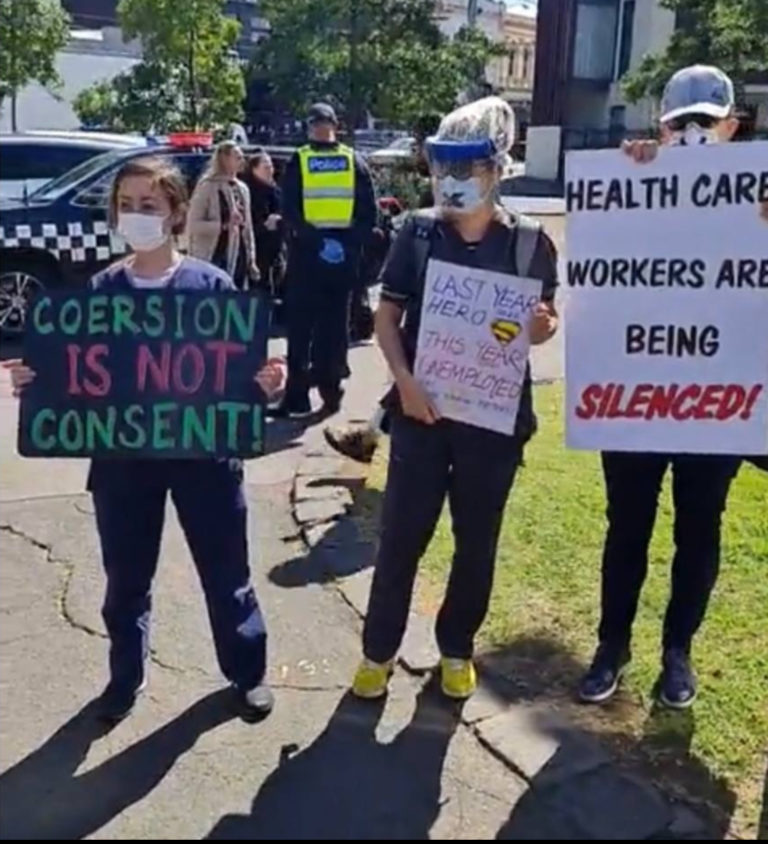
<point x="423" y="231"/>
<point x="528" y="233"/>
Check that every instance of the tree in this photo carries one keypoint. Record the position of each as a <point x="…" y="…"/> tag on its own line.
<point x="31" y="33"/>
<point x="137" y="100"/>
<point x="195" y="42"/>
<point x="190" y="77"/>
<point x="384" y="56"/>
<point x="732" y="34"/>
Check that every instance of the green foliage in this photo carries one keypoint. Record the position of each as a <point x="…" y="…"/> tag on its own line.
<point x="31" y="33"/>
<point x="732" y="34"/>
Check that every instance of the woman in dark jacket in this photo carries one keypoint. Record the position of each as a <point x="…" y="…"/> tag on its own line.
<point x="265" y="213"/>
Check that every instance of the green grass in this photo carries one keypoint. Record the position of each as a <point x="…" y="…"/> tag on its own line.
<point x="545" y="610"/>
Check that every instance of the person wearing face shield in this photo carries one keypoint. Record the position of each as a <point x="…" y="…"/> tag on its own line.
<point x="697" y="108"/>
<point x="433" y="458"/>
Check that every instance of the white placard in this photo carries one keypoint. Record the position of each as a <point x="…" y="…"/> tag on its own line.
<point x="667" y="301"/>
<point x="474" y="341"/>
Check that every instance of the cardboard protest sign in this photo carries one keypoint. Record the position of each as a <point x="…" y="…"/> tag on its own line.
<point x="667" y="301"/>
<point x="473" y="343"/>
<point x="144" y="374"/>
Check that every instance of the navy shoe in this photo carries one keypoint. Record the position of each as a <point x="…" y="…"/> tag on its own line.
<point x="602" y="680"/>
<point x="292" y="407"/>
<point x="116" y="705"/>
<point x="678" y="682"/>
<point x="256" y="704"/>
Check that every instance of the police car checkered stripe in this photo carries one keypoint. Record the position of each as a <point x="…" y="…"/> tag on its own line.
<point x="73" y="242"/>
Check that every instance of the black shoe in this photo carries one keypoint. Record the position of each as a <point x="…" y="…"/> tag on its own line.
<point x="293" y="407"/>
<point x="678" y="682"/>
<point x="256" y="704"/>
<point x="115" y="706"/>
<point x="602" y="680"/>
<point x="331" y="397"/>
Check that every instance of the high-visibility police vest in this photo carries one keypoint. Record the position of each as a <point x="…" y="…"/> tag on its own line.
<point x="328" y="185"/>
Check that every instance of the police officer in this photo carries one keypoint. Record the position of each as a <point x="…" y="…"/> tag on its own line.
<point x="329" y="209"/>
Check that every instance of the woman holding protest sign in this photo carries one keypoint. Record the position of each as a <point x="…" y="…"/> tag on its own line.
<point x="697" y="108"/>
<point x="220" y="225"/>
<point x="465" y="259"/>
<point x="148" y="207"/>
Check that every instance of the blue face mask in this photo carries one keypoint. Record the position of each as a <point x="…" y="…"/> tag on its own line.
<point x="461" y="196"/>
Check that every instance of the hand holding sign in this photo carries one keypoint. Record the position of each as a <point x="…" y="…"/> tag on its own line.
<point x="543" y="323"/>
<point x="415" y="401"/>
<point x="21" y="375"/>
<point x="271" y="377"/>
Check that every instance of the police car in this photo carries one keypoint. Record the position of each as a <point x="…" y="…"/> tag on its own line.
<point x="60" y="236"/>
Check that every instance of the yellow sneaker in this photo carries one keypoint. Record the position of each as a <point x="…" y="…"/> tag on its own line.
<point x="372" y="679"/>
<point x="459" y="678"/>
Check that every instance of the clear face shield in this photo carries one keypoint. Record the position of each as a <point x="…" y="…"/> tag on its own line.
<point x="464" y="173"/>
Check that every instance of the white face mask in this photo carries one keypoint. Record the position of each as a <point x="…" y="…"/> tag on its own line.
<point x="462" y="196"/>
<point x="693" y="135"/>
<point x="143" y="232"/>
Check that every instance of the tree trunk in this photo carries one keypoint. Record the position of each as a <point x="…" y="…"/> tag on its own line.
<point x="14" y="126"/>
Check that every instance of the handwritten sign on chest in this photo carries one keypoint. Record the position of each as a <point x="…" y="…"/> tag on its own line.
<point x="144" y="374"/>
<point x="473" y="343"/>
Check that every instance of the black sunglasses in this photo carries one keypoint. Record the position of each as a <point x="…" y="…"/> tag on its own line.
<point x="706" y="121"/>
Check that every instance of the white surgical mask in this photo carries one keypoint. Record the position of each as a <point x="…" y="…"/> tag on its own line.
<point x="143" y="232"/>
<point x="693" y="135"/>
<point x="461" y="195"/>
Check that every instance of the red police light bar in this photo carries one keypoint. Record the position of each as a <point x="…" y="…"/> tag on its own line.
<point x="190" y="139"/>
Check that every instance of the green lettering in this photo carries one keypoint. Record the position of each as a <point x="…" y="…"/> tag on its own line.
<point x="71" y="431"/>
<point x="212" y="328"/>
<point x="97" y="315"/>
<point x="37" y="312"/>
<point x="41" y="441"/>
<point x="246" y="326"/>
<point x="233" y="409"/>
<point x="180" y="300"/>
<point x="162" y="436"/>
<point x="123" y="308"/>
<point x="104" y="430"/>
<point x="71" y="316"/>
<point x="154" y="312"/>
<point x="140" y="435"/>
<point x="195" y="432"/>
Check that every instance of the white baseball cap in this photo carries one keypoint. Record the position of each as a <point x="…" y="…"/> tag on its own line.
<point x="698" y="89"/>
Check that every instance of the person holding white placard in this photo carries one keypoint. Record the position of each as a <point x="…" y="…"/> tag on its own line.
<point x="697" y="108"/>
<point x="483" y="253"/>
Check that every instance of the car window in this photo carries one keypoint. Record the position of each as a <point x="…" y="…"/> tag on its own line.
<point x="96" y="195"/>
<point x="40" y="161"/>
<point x="54" y="189"/>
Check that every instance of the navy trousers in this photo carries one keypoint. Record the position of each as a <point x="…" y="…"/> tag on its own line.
<point x="475" y="470"/>
<point x="700" y="485"/>
<point x="209" y="500"/>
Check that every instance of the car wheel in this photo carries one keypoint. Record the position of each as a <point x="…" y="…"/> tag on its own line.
<point x="20" y="283"/>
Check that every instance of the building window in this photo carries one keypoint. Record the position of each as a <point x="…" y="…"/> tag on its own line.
<point x="594" y="48"/>
<point x="625" y="38"/>
<point x="512" y="63"/>
<point x="527" y="55"/>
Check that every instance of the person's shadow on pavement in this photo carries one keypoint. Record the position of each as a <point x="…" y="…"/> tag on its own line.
<point x="42" y="798"/>
<point x="348" y="786"/>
